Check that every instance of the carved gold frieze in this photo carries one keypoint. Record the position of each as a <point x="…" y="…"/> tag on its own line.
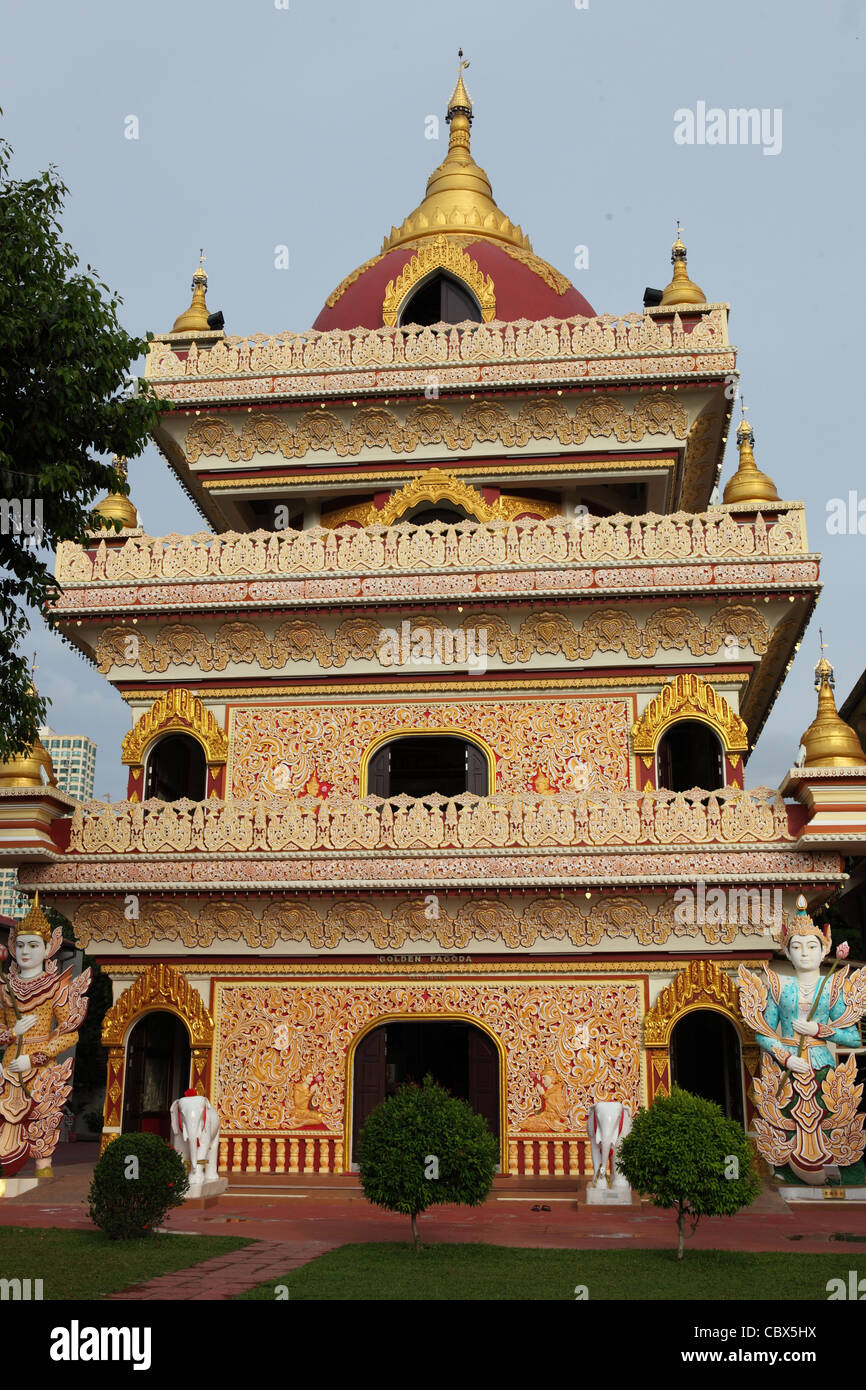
<point x="244" y="642"/>
<point x="377" y="427"/>
<point x="180" y="711"/>
<point x="404" y="548"/>
<point x="688" y="696"/>
<point x="158" y="987"/>
<point x="438" y="253"/>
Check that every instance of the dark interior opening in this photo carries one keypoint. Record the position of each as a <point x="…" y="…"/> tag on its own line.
<point x="440" y="299"/>
<point x="157" y="1073"/>
<point x="176" y="768"/>
<point x="421" y="766"/>
<point x="456" y="1054"/>
<point x="705" y="1059"/>
<point x="690" y="755"/>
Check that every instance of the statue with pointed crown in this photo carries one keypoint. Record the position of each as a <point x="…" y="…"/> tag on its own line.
<point x="808" y="1105"/>
<point x="40" y="1013"/>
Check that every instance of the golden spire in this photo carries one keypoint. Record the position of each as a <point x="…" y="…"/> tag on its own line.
<point x="681" y="289"/>
<point x="459" y="197"/>
<point x="194" y="320"/>
<point x="748" y="484"/>
<point x="829" y="741"/>
<point x="117" y="507"/>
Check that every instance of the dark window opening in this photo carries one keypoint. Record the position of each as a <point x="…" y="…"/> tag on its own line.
<point x="441" y="299"/>
<point x="176" y="769"/>
<point x="422" y="766"/>
<point x="690" y="755"/>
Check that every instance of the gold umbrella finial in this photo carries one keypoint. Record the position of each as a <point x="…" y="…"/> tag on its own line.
<point x="749" y="484"/>
<point x="195" y="318"/>
<point x="681" y="289"/>
<point x="829" y="741"/>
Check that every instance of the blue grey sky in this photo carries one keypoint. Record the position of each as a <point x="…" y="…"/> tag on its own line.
<point x="261" y="125"/>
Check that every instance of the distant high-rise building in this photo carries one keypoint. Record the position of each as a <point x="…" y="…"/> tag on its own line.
<point x="74" y="760"/>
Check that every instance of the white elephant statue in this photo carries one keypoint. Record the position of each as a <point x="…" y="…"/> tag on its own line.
<point x="607" y="1124"/>
<point x="195" y="1132"/>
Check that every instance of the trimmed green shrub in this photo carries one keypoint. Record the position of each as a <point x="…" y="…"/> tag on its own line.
<point x="135" y="1182"/>
<point x="422" y="1147"/>
<point x="684" y="1153"/>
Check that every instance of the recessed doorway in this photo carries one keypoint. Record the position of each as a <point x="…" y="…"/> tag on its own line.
<point x="705" y="1059"/>
<point x="462" y="1058"/>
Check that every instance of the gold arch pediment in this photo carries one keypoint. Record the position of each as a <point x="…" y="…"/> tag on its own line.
<point x="688" y="696"/>
<point x="702" y="985"/>
<point x="159" y="988"/>
<point x="176" y="711"/>
<point x="439" y="253"/>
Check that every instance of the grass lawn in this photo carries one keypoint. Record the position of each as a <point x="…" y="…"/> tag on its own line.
<point x="456" y="1273"/>
<point x="86" y="1264"/>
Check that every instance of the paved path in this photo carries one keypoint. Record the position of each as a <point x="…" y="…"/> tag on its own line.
<point x="227" y="1275"/>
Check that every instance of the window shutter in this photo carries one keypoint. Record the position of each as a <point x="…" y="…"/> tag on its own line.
<point x="379" y="772"/>
<point x="476" y="770"/>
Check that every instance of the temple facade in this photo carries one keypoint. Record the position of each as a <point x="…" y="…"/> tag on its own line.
<point x="441" y="725"/>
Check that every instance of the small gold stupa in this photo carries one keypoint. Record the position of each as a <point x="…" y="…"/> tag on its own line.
<point x="829" y="741"/>
<point x="681" y="289"/>
<point x="749" y="484"/>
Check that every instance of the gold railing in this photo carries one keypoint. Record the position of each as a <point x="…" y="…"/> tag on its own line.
<point x="477" y="546"/>
<point x="501" y="821"/>
<point x="297" y="354"/>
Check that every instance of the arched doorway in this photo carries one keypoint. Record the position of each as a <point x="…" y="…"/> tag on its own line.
<point x="705" y="1059"/>
<point x="461" y="1057"/>
<point x="157" y="1072"/>
<point x="690" y="755"/>
<point x="176" y="769"/>
<point x="441" y="299"/>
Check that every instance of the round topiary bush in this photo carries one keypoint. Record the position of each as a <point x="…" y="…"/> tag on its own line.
<point x="684" y="1153"/>
<point x="135" y="1182"/>
<point x="423" y="1147"/>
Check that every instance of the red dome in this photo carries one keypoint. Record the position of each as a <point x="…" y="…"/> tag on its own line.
<point x="524" y="287"/>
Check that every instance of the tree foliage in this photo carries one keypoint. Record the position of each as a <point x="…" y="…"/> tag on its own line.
<point x="65" y="399"/>
<point x="136" y="1181"/>
<point x="423" y="1147"/>
<point x="684" y="1153"/>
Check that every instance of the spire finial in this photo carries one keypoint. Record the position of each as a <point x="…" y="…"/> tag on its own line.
<point x="681" y="289"/>
<point x="749" y="484"/>
<point x="829" y="741"/>
<point x="194" y="320"/>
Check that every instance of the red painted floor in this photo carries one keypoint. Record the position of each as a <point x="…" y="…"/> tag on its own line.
<point x="293" y="1210"/>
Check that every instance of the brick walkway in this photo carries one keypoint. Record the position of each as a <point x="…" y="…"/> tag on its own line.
<point x="228" y="1274"/>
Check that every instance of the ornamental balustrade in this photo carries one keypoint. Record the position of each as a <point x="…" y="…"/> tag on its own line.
<point x="532" y="821"/>
<point x="287" y="354"/>
<point x="468" y="545"/>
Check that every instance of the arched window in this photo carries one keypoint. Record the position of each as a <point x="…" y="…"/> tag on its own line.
<point x="690" y="755"/>
<point x="441" y="299"/>
<point x="176" y="768"/>
<point x="423" y="765"/>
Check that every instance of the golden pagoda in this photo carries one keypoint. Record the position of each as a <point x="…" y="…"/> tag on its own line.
<point x="195" y="318"/>
<point x="116" y="506"/>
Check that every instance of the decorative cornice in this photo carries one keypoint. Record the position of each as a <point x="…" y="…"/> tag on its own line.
<point x="158" y="987"/>
<point x="176" y="710"/>
<point x="438" y="253"/>
<point x="688" y="696"/>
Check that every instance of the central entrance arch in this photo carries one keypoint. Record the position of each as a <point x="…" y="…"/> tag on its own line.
<point x="460" y="1055"/>
<point x="706" y="1060"/>
<point x="157" y="1072"/>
